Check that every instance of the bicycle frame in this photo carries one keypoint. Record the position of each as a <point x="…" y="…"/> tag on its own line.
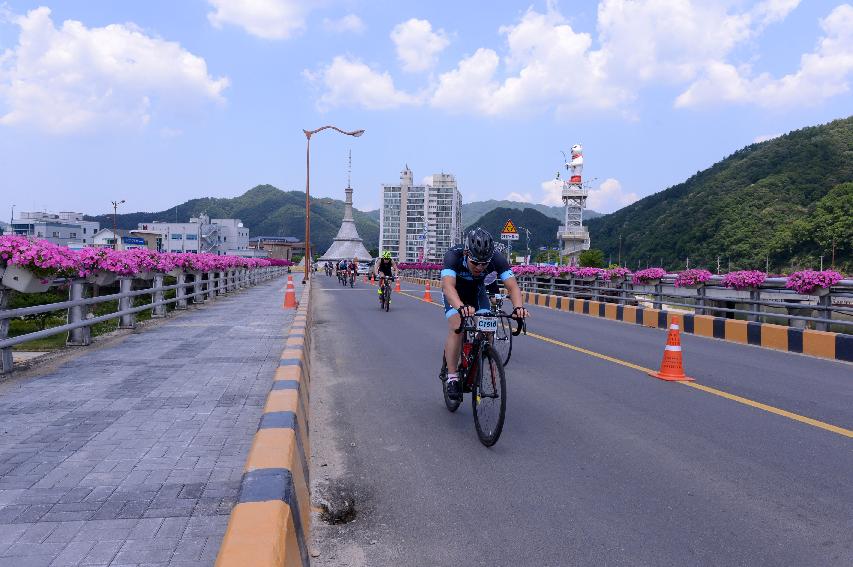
<point x="467" y="367"/>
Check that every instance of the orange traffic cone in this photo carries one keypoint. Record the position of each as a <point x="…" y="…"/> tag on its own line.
<point x="427" y="295"/>
<point x="365" y="278"/>
<point x="290" y="295"/>
<point x="372" y="282"/>
<point x="397" y="287"/>
<point x="671" y="368"/>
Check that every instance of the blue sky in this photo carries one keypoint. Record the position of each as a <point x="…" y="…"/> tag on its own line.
<point x="159" y="101"/>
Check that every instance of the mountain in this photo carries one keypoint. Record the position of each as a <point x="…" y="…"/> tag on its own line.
<point x="266" y="211"/>
<point x="785" y="202"/>
<point x="475" y="210"/>
<point x="543" y="229"/>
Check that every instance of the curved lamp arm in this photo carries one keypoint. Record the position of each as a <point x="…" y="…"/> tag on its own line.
<point x="356" y="133"/>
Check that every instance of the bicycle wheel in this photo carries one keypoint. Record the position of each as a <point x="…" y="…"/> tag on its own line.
<point x="503" y="340"/>
<point x="452" y="405"/>
<point x="386" y="296"/>
<point x="489" y="398"/>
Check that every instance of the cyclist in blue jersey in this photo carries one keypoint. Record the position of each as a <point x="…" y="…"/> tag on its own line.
<point x="462" y="282"/>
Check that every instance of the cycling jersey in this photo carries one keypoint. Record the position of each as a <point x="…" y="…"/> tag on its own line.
<point x="386" y="266"/>
<point x="471" y="289"/>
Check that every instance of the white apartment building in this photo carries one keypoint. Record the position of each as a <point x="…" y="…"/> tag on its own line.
<point x="64" y="228"/>
<point x="420" y="222"/>
<point x="201" y="234"/>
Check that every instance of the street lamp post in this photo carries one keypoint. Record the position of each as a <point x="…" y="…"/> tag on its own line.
<point x="527" y="234"/>
<point x="115" y="230"/>
<point x="308" y="134"/>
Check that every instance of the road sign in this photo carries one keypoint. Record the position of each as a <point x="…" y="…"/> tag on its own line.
<point x="509" y="231"/>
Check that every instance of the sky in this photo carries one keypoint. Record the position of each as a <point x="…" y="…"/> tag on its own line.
<point x="156" y="101"/>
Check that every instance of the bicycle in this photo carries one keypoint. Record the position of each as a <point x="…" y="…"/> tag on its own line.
<point x="342" y="277"/>
<point x="351" y="278"/>
<point x="385" y="296"/>
<point x="488" y="392"/>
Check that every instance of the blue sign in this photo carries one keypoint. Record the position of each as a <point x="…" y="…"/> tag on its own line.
<point x="133" y="240"/>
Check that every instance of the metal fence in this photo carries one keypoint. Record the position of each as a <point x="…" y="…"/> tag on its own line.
<point x="189" y="288"/>
<point x="771" y="302"/>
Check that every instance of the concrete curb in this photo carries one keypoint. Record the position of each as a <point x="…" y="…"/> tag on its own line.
<point x="271" y="522"/>
<point x="834" y="346"/>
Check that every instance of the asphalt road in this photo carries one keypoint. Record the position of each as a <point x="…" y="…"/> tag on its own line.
<point x="598" y="464"/>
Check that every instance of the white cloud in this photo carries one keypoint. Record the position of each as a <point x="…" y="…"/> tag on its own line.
<point x="349" y="23"/>
<point x="520" y="197"/>
<point x="267" y="19"/>
<point x="417" y="45"/>
<point x="74" y="78"/>
<point x="764" y="138"/>
<point x="609" y="196"/>
<point x="823" y="73"/>
<point x="349" y="82"/>
<point x="552" y="192"/>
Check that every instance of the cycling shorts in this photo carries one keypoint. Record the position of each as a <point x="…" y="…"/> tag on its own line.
<point x="480" y="300"/>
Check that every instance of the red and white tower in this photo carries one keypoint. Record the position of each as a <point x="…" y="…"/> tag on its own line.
<point x="573" y="236"/>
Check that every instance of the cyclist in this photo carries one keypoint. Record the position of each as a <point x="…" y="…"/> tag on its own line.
<point x="353" y="268"/>
<point x="384" y="267"/>
<point x="342" y="270"/>
<point x="462" y="282"/>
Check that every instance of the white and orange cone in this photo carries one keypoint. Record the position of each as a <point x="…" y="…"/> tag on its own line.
<point x="290" y="295"/>
<point x="671" y="367"/>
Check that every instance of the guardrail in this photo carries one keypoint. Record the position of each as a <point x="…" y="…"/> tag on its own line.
<point x="769" y="303"/>
<point x="190" y="287"/>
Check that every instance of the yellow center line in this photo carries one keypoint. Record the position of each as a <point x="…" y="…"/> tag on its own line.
<point x="707" y="389"/>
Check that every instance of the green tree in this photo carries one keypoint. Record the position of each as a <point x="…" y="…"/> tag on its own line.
<point x="592" y="258"/>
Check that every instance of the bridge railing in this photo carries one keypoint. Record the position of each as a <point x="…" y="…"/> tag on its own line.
<point x="771" y="302"/>
<point x="195" y="288"/>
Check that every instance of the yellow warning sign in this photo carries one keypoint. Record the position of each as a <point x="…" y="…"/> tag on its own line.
<point x="509" y="228"/>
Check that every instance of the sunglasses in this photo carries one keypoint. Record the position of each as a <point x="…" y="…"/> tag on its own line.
<point x="476" y="263"/>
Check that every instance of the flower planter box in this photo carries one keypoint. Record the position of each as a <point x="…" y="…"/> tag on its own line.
<point x="819" y="291"/>
<point x="23" y="280"/>
<point x="147" y="275"/>
<point x="102" y="278"/>
<point x="175" y="272"/>
<point x="650" y="282"/>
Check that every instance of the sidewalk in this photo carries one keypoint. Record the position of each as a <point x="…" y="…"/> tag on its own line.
<point x="132" y="454"/>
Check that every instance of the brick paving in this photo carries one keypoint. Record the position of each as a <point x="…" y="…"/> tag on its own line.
<point x="132" y="454"/>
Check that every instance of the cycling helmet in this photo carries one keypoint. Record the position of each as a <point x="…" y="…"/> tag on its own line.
<point x="387" y="254"/>
<point x="479" y="245"/>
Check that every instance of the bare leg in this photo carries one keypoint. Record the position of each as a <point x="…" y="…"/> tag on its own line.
<point x="453" y="344"/>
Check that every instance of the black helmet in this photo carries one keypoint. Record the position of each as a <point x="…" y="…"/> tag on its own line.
<point x="479" y="245"/>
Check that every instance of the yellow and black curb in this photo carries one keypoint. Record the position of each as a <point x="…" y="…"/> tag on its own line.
<point x="271" y="522"/>
<point x="823" y="344"/>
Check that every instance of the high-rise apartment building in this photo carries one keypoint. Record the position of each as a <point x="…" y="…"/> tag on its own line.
<point x="420" y="222"/>
<point x="64" y="229"/>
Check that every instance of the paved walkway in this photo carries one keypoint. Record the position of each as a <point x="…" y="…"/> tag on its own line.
<point x="132" y="454"/>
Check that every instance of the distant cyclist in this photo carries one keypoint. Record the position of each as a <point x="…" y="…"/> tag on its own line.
<point x="462" y="282"/>
<point x="385" y="267"/>
<point x="353" y="268"/>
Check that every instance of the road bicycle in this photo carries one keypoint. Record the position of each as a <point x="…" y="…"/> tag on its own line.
<point x="385" y="296"/>
<point x="481" y="374"/>
<point x="351" y="278"/>
<point x="342" y="277"/>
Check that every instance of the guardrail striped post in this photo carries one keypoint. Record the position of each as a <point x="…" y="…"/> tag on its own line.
<point x="824" y="303"/>
<point x="5" y="353"/>
<point x="77" y="313"/>
<point x="181" y="292"/>
<point x="159" y="310"/>
<point x="128" y="320"/>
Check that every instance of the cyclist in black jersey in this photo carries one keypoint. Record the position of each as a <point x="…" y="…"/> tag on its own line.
<point x="385" y="267"/>
<point x="462" y="283"/>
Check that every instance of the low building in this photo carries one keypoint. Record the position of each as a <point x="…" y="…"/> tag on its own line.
<point x="64" y="228"/>
<point x="106" y="238"/>
<point x="201" y="234"/>
<point x="278" y="247"/>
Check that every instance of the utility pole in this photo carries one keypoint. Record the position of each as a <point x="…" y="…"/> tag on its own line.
<point x="115" y="230"/>
<point x="833" y="252"/>
<point x="718" y="265"/>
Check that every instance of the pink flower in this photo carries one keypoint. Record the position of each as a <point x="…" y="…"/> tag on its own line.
<point x="744" y="279"/>
<point x="807" y="281"/>
<point x="648" y="274"/>
<point x="692" y="277"/>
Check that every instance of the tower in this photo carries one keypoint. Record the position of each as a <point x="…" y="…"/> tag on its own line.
<point x="347" y="244"/>
<point x="573" y="236"/>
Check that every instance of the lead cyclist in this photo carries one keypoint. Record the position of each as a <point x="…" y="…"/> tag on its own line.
<point x="462" y="283"/>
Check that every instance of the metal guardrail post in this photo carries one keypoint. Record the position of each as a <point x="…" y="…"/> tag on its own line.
<point x="5" y="353"/>
<point x="209" y="294"/>
<point x="700" y="300"/>
<point x="181" y="292"/>
<point x="127" y="321"/>
<point x="656" y="302"/>
<point x="754" y="296"/>
<point x="77" y="313"/>
<point x="196" y="298"/>
<point x="159" y="310"/>
<point x="824" y="303"/>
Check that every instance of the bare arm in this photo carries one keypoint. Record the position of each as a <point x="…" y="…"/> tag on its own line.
<point x="448" y="287"/>
<point x="515" y="294"/>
